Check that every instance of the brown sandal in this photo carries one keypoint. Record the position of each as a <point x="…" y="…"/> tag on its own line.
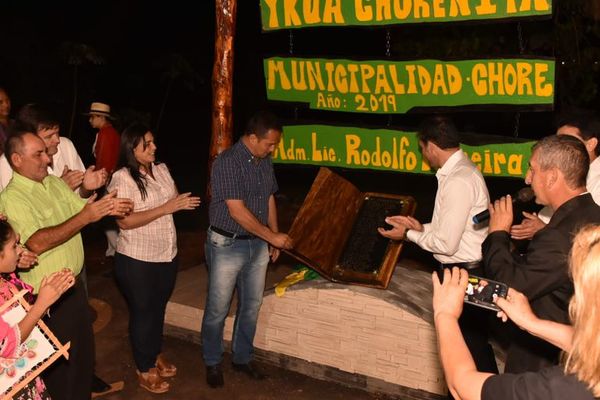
<point x="152" y="381"/>
<point x="165" y="368"/>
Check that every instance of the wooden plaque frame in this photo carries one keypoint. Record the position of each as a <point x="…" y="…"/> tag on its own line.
<point x="324" y="223"/>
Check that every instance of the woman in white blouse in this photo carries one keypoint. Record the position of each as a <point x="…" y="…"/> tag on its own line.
<point x="145" y="262"/>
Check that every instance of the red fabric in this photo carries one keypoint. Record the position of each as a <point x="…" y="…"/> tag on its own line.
<point x="107" y="148"/>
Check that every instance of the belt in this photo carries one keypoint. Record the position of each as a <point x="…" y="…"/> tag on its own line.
<point x="229" y="234"/>
<point x="465" y="265"/>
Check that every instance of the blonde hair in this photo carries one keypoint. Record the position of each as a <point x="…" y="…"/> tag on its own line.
<point x="584" y="309"/>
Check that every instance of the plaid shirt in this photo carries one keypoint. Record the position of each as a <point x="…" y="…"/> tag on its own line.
<point x="156" y="241"/>
<point x="238" y="175"/>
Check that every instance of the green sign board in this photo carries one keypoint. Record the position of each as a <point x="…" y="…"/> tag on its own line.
<point x="389" y="87"/>
<point x="387" y="150"/>
<point x="290" y="14"/>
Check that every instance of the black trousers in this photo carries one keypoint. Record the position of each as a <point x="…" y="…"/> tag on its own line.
<point x="70" y="321"/>
<point x="147" y="287"/>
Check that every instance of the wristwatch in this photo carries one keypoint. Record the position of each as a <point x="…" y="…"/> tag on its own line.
<point x="405" y="237"/>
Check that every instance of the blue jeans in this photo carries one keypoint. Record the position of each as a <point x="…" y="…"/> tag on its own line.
<point x="233" y="263"/>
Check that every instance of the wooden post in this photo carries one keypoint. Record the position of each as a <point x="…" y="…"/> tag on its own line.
<point x="222" y="81"/>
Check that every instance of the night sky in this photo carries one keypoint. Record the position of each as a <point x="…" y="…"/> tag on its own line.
<point x="135" y="40"/>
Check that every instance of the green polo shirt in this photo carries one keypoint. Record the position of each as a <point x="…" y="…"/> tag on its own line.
<point x="31" y="206"/>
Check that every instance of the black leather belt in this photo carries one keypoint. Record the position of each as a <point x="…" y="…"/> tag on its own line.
<point x="465" y="265"/>
<point x="229" y="234"/>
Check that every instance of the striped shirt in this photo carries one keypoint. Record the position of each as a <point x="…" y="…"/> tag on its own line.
<point x="238" y="175"/>
<point x="157" y="240"/>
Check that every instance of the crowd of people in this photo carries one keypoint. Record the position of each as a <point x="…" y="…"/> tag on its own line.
<point x="547" y="295"/>
<point x="47" y="196"/>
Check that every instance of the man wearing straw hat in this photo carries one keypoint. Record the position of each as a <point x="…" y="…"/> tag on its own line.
<point x="106" y="152"/>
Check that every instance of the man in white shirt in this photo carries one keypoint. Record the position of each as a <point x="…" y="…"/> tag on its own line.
<point x="451" y="235"/>
<point x="585" y="127"/>
<point x="66" y="162"/>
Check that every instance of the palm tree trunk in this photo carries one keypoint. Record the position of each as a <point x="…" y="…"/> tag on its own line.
<point x="222" y="81"/>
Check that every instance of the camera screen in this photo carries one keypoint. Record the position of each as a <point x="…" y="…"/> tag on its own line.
<point x="482" y="292"/>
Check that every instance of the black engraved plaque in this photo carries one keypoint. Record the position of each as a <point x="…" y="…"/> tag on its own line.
<point x="365" y="248"/>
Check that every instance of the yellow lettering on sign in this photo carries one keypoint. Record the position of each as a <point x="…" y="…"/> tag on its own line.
<point x="412" y="81"/>
<point x="353" y="69"/>
<point x="487" y="163"/>
<point x="510" y="79"/>
<point x="499" y="160"/>
<point x="273" y="20"/>
<point x="541" y="88"/>
<point x="381" y="83"/>
<point x="329" y="67"/>
<point x="352" y="153"/>
<point x="341" y="83"/>
<point x="315" y="80"/>
<point x="321" y="102"/>
<point x="424" y="79"/>
<point x="476" y="158"/>
<point x="310" y="9"/>
<point x="290" y="14"/>
<point x="485" y="7"/>
<point x="289" y="153"/>
<point x="515" y="164"/>
<point x="421" y="9"/>
<point x="367" y="72"/>
<point x="402" y="8"/>
<point x="298" y="81"/>
<point x="398" y="87"/>
<point x="541" y="5"/>
<point x="454" y="79"/>
<point x="321" y="154"/>
<point x="524" y="82"/>
<point x="438" y="9"/>
<point x="363" y="12"/>
<point x="276" y="69"/>
<point x="520" y="78"/>
<point x="333" y="11"/>
<point x="383" y="10"/>
<point x="459" y="7"/>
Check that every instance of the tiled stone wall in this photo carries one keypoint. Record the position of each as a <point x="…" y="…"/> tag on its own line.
<point x="353" y="332"/>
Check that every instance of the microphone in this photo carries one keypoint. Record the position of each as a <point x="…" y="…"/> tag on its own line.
<point x="523" y="196"/>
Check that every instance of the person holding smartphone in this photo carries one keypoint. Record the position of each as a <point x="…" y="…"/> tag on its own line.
<point x="577" y="378"/>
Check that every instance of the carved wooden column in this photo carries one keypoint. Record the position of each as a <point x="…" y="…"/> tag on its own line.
<point x="222" y="81"/>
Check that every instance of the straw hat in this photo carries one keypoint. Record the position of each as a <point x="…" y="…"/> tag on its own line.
<point x="99" y="109"/>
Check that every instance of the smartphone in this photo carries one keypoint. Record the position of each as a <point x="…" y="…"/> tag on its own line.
<point x="482" y="291"/>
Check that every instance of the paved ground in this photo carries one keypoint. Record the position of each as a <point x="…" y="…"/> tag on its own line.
<point x="114" y="359"/>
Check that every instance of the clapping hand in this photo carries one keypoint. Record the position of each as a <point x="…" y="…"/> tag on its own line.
<point x="72" y="177"/>
<point x="94" y="179"/>
<point x="53" y="286"/>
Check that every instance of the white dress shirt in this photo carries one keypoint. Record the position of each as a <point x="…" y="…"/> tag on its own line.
<point x="451" y="235"/>
<point x="65" y="156"/>
<point x="592" y="184"/>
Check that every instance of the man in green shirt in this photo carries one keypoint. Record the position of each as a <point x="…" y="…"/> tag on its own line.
<point x="49" y="217"/>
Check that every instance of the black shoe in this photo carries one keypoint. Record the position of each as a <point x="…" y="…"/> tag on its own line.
<point x="251" y="370"/>
<point x="214" y="376"/>
<point x="98" y="385"/>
